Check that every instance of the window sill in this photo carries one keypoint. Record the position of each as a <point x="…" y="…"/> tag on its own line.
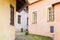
<point x="50" y="20"/>
<point x="34" y="23"/>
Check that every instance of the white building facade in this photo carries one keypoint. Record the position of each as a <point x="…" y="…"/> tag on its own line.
<point x="21" y="20"/>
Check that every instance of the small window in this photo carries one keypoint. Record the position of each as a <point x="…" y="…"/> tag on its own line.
<point x="11" y="15"/>
<point x="27" y="9"/>
<point x="50" y="14"/>
<point x="19" y="19"/>
<point x="52" y="29"/>
<point x="35" y="17"/>
<point x="27" y="21"/>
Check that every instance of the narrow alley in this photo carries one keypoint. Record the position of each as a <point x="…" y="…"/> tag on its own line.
<point x="21" y="36"/>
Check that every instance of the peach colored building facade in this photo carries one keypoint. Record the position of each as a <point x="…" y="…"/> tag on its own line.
<point x="7" y="31"/>
<point x="42" y="27"/>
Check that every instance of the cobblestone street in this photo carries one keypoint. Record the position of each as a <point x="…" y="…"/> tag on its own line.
<point x="20" y="36"/>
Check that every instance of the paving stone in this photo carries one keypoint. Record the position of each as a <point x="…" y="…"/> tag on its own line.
<point x="19" y="36"/>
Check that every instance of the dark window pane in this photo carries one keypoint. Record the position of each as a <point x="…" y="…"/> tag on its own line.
<point x="51" y="29"/>
<point x="19" y="19"/>
<point x="27" y="21"/>
<point x="11" y="15"/>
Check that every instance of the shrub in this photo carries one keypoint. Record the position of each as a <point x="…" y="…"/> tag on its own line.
<point x="26" y="33"/>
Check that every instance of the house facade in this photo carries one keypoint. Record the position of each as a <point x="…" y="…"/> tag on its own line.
<point x="7" y="19"/>
<point x="21" y="20"/>
<point x="44" y="18"/>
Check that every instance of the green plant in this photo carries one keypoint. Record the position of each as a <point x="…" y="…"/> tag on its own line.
<point x="26" y="33"/>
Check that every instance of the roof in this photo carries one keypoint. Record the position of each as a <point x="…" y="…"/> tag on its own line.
<point x="20" y="4"/>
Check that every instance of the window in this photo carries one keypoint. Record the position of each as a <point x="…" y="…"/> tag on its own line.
<point x="35" y="17"/>
<point x="26" y="9"/>
<point x="27" y="21"/>
<point x="50" y="14"/>
<point x="11" y="15"/>
<point x="51" y="29"/>
<point x="19" y="19"/>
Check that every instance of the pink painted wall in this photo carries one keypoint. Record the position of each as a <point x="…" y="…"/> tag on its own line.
<point x="43" y="26"/>
<point x="31" y="1"/>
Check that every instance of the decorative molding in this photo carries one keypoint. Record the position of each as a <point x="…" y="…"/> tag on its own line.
<point x="33" y="2"/>
<point x="55" y="3"/>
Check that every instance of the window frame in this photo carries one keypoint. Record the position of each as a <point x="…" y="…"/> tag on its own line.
<point x="34" y="17"/>
<point x="11" y="15"/>
<point x="51" y="29"/>
<point x="51" y="13"/>
<point x="19" y="19"/>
